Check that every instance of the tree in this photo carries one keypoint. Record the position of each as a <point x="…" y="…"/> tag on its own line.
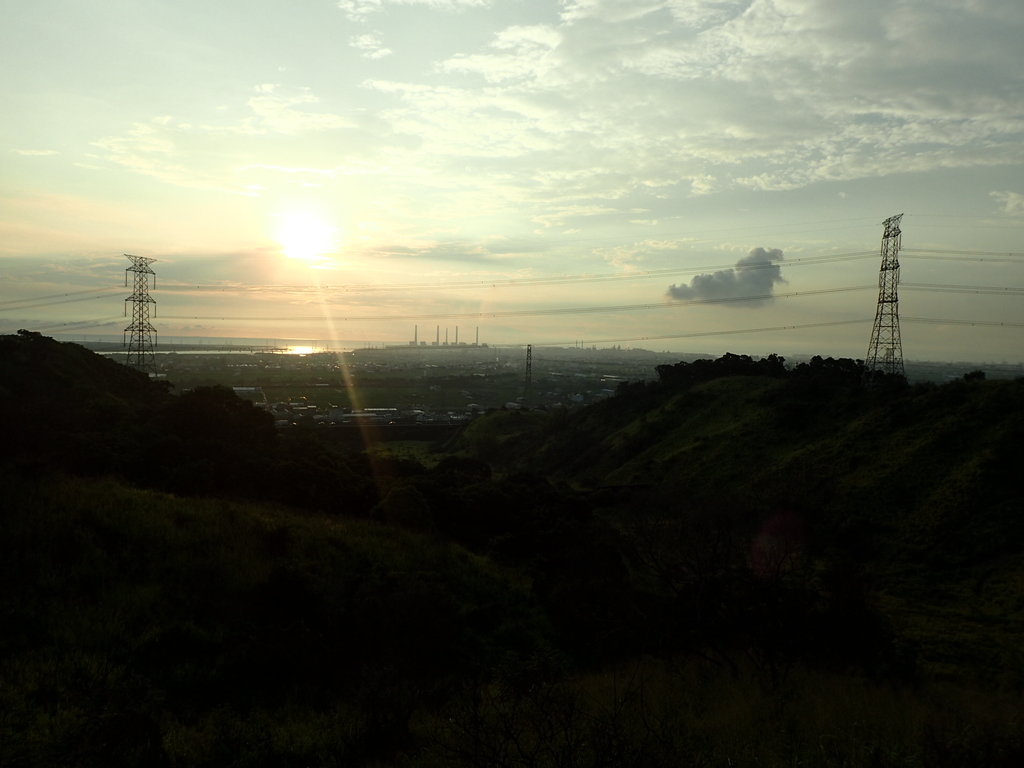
<point x="405" y="507"/>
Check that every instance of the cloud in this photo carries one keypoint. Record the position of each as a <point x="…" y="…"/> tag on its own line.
<point x="155" y="149"/>
<point x="768" y="94"/>
<point x="612" y="11"/>
<point x="622" y="105"/>
<point x="629" y="257"/>
<point x="462" y="122"/>
<point x="360" y="10"/>
<point x="275" y="112"/>
<point x="216" y="155"/>
<point x="557" y="218"/>
<point x="526" y="54"/>
<point x="1012" y="202"/>
<point x="370" y="45"/>
<point x="753" y="275"/>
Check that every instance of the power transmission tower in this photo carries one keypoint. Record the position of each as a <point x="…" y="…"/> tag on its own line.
<point x="527" y="390"/>
<point x="140" y="346"/>
<point x="885" y="352"/>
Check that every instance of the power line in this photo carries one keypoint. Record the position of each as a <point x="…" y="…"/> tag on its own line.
<point x="967" y="253"/>
<point x="696" y="334"/>
<point x="865" y="222"/>
<point x="984" y="289"/>
<point x="54" y="303"/>
<point x="939" y="321"/>
<point x="60" y="295"/>
<point x="931" y="287"/>
<point x="78" y="324"/>
<point x="527" y="282"/>
<point x="534" y="312"/>
<point x="988" y="225"/>
<point x="42" y="301"/>
<point x="931" y="254"/>
<point x="946" y="255"/>
<point x="766" y="329"/>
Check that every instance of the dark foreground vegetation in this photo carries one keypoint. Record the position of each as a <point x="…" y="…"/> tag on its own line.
<point x="737" y="564"/>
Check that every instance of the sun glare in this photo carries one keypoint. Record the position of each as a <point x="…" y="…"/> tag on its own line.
<point x="305" y="237"/>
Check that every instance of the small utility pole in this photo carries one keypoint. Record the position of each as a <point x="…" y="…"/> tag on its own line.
<point x="528" y="388"/>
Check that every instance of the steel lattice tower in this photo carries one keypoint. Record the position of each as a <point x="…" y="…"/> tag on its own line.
<point x="885" y="352"/>
<point x="140" y="346"/>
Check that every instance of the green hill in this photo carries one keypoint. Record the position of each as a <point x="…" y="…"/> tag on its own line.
<point x="914" y="486"/>
<point x="141" y="629"/>
<point x="739" y="563"/>
<point x="63" y="404"/>
<point x="66" y="408"/>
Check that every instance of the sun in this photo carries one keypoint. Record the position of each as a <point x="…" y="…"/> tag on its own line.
<point x="306" y="237"/>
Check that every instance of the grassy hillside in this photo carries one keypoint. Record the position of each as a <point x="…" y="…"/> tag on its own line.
<point x="738" y="564"/>
<point x="64" y="407"/>
<point x="912" y="488"/>
<point x="141" y="628"/>
<point x="67" y="405"/>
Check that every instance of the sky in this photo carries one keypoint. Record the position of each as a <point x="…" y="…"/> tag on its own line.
<point x="668" y="174"/>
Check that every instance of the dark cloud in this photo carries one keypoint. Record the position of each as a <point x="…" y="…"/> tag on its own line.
<point x="754" y="275"/>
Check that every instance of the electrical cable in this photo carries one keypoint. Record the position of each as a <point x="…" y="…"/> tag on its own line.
<point x="910" y="253"/>
<point x="700" y="333"/>
<point x="60" y="295"/>
<point x="982" y="289"/>
<point x="939" y="321"/>
<point x="763" y="330"/>
<point x="79" y="323"/>
<point x="51" y="303"/>
<point x="534" y="312"/>
<point x="527" y="282"/>
<point x="983" y="256"/>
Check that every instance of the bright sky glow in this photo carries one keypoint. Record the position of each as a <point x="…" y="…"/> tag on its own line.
<point x="304" y="237"/>
<point x="385" y="163"/>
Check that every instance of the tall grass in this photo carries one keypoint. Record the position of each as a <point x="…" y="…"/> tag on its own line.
<point x="146" y="630"/>
<point x="143" y="629"/>
<point x="662" y="713"/>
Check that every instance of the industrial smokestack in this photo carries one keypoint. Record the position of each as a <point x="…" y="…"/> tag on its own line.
<point x="478" y="335"/>
<point x="456" y="335"/>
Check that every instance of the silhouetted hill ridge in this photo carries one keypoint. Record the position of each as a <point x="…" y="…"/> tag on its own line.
<point x="37" y="368"/>
<point x="65" y="406"/>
